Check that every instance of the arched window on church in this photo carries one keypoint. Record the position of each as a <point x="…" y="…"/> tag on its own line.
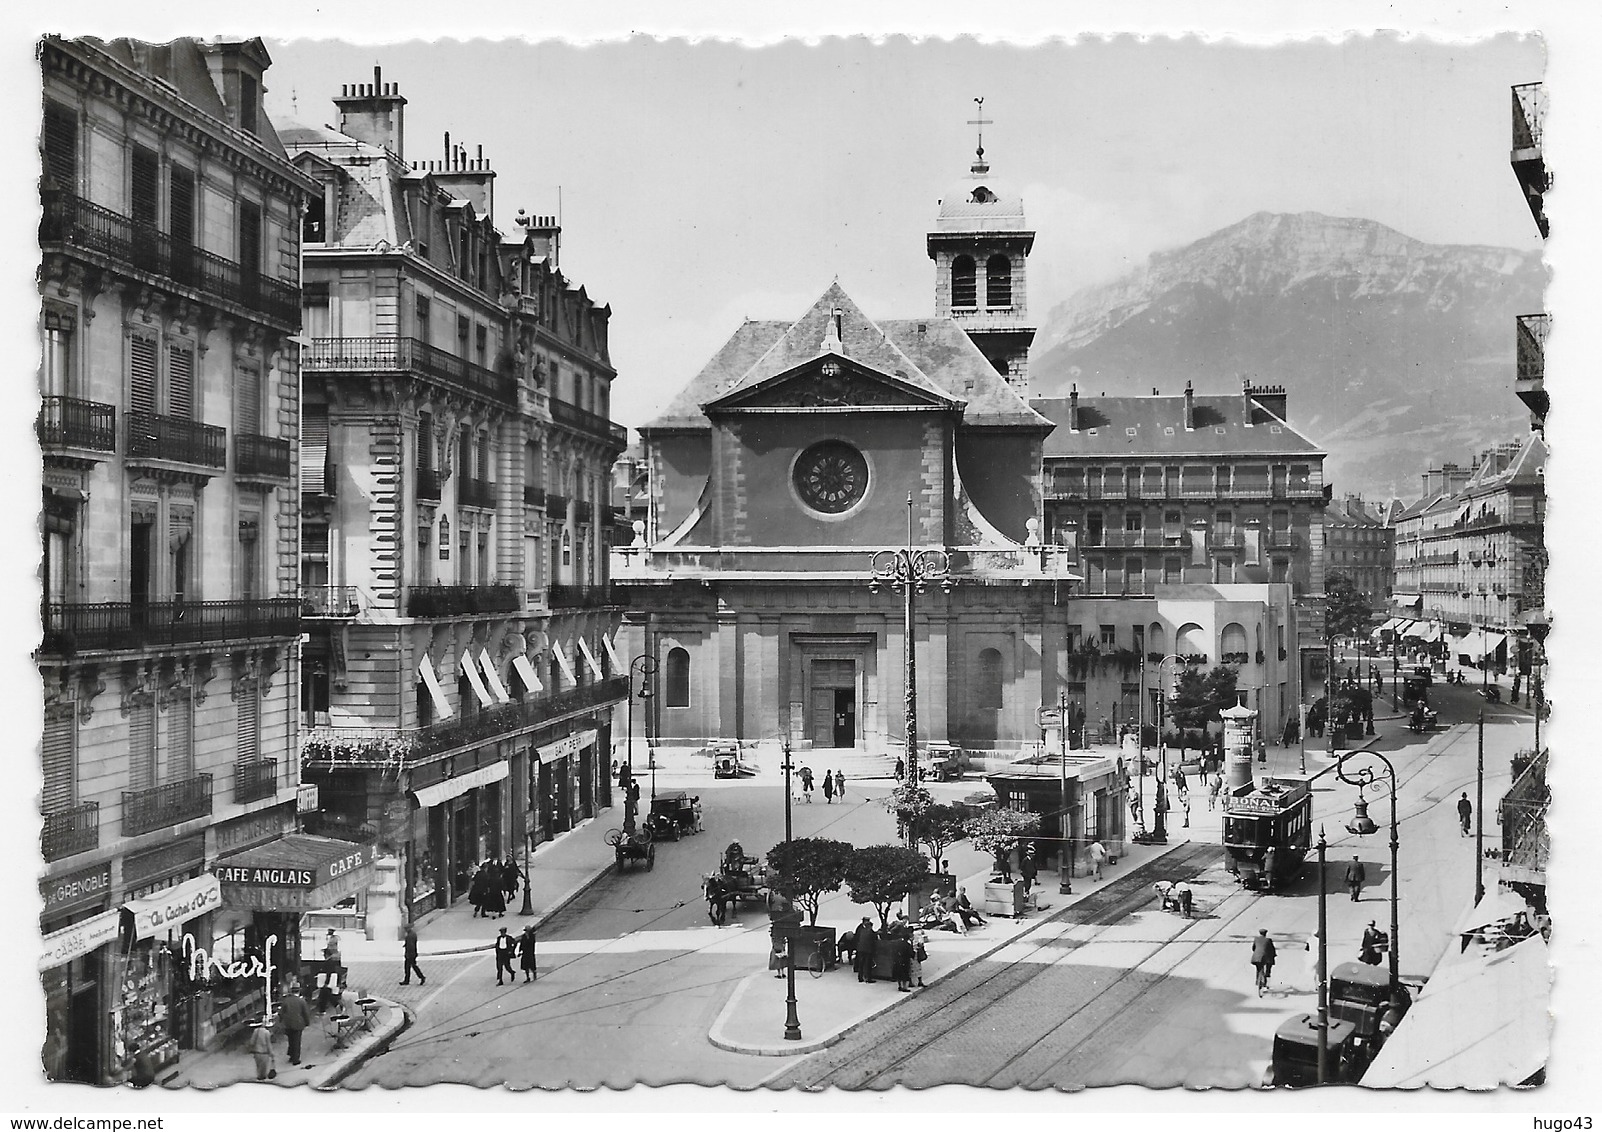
<point x="964" y="290"/>
<point x="676" y="688"/>
<point x="988" y="691"/>
<point x="998" y="281"/>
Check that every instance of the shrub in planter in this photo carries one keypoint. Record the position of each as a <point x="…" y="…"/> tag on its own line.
<point x="883" y="874"/>
<point x="806" y="868"/>
<point x="998" y="833"/>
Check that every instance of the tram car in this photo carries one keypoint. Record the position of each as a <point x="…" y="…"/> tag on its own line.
<point x="1268" y="830"/>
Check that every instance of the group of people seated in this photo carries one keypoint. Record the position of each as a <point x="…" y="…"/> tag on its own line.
<point x="952" y="914"/>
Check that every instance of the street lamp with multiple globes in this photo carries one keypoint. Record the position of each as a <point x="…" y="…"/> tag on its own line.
<point x="792" y="1020"/>
<point x="1159" y="802"/>
<point x="1361" y="824"/>
<point x="642" y="668"/>
<point x="907" y="570"/>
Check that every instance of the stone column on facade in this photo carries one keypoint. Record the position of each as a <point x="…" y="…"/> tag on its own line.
<point x="726" y="712"/>
<point x="1026" y="687"/>
<point x="934" y="715"/>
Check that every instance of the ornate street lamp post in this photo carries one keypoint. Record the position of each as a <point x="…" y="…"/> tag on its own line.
<point x="792" y="1021"/>
<point x="906" y="571"/>
<point x="1361" y="824"/>
<point x="642" y="668"/>
<point x="1159" y="804"/>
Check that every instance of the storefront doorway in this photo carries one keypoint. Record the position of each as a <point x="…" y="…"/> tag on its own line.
<point x="834" y="703"/>
<point x="587" y="782"/>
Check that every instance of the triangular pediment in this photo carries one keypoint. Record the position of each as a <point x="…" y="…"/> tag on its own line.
<point x="832" y="382"/>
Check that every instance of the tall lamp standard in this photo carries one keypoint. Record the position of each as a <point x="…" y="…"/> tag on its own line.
<point x="1159" y="803"/>
<point x="643" y="669"/>
<point x="1361" y="824"/>
<point x="906" y="571"/>
<point x="792" y="1021"/>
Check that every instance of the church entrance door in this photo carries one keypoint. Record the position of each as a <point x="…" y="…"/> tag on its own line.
<point x="833" y="714"/>
<point x="845" y="717"/>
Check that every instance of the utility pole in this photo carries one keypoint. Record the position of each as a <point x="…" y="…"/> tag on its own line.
<point x="1064" y="869"/>
<point x="1479" y="816"/>
<point x="792" y="1021"/>
<point x="1323" y="968"/>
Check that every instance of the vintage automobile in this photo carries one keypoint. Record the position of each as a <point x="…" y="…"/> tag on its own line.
<point x="945" y="761"/>
<point x="673" y="816"/>
<point x="727" y="761"/>
<point x="1295" y="1056"/>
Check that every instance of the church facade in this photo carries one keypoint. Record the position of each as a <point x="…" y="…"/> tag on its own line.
<point x="806" y="453"/>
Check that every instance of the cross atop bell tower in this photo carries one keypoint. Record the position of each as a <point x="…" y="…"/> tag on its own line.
<point x="980" y="244"/>
<point x="980" y="167"/>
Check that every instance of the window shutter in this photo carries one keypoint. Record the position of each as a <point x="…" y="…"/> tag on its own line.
<point x="247" y="745"/>
<point x="61" y="146"/>
<point x="248" y="387"/>
<point x="145" y="186"/>
<point x="142" y="375"/>
<point x="60" y="760"/>
<point x="180" y="761"/>
<point x="142" y="746"/>
<point x="314" y="449"/>
<point x="249" y="240"/>
<point x="181" y="205"/>
<point x="181" y="382"/>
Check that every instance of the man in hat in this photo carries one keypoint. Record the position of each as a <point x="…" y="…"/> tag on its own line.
<point x="867" y="946"/>
<point x="409" y="957"/>
<point x="260" y="1045"/>
<point x="1355" y="876"/>
<point x="1465" y="813"/>
<point x="297" y="1016"/>
<point x="505" y="948"/>
<point x="1372" y="945"/>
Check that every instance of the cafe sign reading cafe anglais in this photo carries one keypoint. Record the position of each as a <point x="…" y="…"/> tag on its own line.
<point x="283" y="876"/>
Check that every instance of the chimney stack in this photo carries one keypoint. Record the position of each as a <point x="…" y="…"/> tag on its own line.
<point x="1190" y="408"/>
<point x="1073" y="408"/>
<point x="374" y="113"/>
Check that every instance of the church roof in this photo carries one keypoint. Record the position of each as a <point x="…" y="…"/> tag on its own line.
<point x="934" y="355"/>
<point x="979" y="204"/>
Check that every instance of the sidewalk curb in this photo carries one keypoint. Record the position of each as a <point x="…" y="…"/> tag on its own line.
<point x="366" y="1051"/>
<point x="714" y="1035"/>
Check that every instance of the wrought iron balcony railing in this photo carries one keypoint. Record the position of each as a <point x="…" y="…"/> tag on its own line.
<point x="74" y="627"/>
<point x="70" y="220"/>
<point x="582" y="420"/>
<point x="475" y="493"/>
<point x="261" y="456"/>
<point x="1532" y="346"/>
<point x="330" y="601"/>
<point x="581" y="597"/>
<point x="428" y="484"/>
<point x="583" y="511"/>
<point x="401" y="747"/>
<point x="455" y="601"/>
<point x="556" y="505"/>
<point x="407" y="355"/>
<point x="73" y="830"/>
<point x="1529" y="113"/>
<point x="255" y="780"/>
<point x="71" y="423"/>
<point x="153" y="436"/>
<point x="168" y="804"/>
<point x="533" y="496"/>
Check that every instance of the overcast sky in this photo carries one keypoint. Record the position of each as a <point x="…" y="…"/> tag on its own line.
<point x="703" y="183"/>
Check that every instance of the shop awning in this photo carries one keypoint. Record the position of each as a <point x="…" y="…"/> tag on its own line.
<point x="461" y="784"/>
<point x="565" y="664"/>
<point x="492" y="677"/>
<point x="1393" y="625"/>
<point x="1407" y="601"/>
<point x="80" y="939"/>
<point x="1494" y="641"/>
<point x="296" y="872"/>
<point x="611" y="654"/>
<point x="169" y="908"/>
<point x="531" y="680"/>
<point x="1497" y="905"/>
<point x="589" y="659"/>
<point x="442" y="706"/>
<point x="1417" y="631"/>
<point x="1476" y="1025"/>
<point x="475" y="679"/>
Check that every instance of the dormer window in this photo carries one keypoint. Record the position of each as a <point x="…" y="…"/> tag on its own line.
<point x="964" y="288"/>
<point x="982" y="195"/>
<point x="247" y="103"/>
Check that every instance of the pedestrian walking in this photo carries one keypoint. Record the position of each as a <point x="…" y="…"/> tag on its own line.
<point x="476" y="893"/>
<point x="1372" y="945"/>
<point x="901" y="961"/>
<point x="920" y="954"/>
<point x="1184" y="802"/>
<point x="1098" y="856"/>
<point x="865" y="952"/>
<point x="839" y="785"/>
<point x="1027" y="867"/>
<point x="260" y="1045"/>
<point x="297" y="1016"/>
<point x="806" y="783"/>
<point x="511" y="878"/>
<point x="525" y="954"/>
<point x="901" y="769"/>
<point x="1263" y="959"/>
<point x="828" y="788"/>
<point x="1355" y="876"/>
<point x="494" y="898"/>
<point x="1465" y="813"/>
<point x="409" y="956"/>
<point x="1179" y="779"/>
<point x="1212" y="792"/>
<point x="505" y="949"/>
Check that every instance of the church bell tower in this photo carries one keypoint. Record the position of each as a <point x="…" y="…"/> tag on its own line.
<point x="980" y="245"/>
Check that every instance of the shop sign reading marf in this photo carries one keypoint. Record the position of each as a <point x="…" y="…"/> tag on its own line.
<point x="253" y="967"/>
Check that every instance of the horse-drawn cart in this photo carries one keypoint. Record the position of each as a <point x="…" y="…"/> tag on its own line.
<point x="739" y="879"/>
<point x="635" y="848"/>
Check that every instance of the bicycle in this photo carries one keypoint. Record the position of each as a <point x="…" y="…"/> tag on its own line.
<point x="1263" y="970"/>
<point x="815" y="963"/>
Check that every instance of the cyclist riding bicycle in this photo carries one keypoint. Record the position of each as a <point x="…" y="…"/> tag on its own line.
<point x="1263" y="959"/>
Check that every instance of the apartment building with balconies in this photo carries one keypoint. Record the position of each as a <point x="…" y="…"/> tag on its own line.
<point x="170" y="294"/>
<point x="460" y="666"/>
<point x="1359" y="543"/>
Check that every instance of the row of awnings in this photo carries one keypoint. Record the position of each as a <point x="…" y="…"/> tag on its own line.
<point x="294" y="872"/>
<point x="1475" y="645"/>
<point x="486" y="682"/>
